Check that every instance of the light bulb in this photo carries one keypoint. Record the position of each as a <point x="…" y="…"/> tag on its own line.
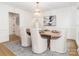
<point x="37" y="13"/>
<point x="37" y="10"/>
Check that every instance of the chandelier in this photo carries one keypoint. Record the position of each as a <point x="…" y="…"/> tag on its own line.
<point x="37" y="15"/>
<point x="37" y="10"/>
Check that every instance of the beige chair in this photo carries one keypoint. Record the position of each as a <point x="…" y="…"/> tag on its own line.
<point x="39" y="44"/>
<point x="25" y="38"/>
<point x="58" y="45"/>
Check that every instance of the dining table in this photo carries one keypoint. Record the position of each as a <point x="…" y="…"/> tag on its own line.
<point x="54" y="34"/>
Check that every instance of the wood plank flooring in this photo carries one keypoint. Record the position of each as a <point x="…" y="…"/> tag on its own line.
<point x="4" y="51"/>
<point x="14" y="37"/>
<point x="72" y="47"/>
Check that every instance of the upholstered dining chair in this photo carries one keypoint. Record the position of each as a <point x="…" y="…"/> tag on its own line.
<point x="25" y="38"/>
<point x="39" y="44"/>
<point x="59" y="45"/>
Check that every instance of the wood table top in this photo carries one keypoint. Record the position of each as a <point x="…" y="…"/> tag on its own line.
<point x="52" y="34"/>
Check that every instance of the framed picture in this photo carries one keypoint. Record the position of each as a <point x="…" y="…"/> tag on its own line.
<point x="50" y="20"/>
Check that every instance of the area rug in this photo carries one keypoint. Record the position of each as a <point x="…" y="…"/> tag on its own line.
<point x="18" y="50"/>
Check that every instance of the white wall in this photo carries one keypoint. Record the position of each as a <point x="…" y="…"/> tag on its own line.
<point x="77" y="26"/>
<point x="62" y="17"/>
<point x="25" y="18"/>
<point x="4" y="24"/>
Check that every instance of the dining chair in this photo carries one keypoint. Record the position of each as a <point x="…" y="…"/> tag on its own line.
<point x="39" y="44"/>
<point x="59" y="44"/>
<point x="25" y="38"/>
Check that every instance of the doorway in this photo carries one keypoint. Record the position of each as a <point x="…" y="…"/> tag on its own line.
<point x="14" y="29"/>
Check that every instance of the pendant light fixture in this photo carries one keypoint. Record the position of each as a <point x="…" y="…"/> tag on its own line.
<point x="37" y="10"/>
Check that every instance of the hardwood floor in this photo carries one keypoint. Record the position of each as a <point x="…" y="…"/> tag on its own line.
<point x="14" y="37"/>
<point x="72" y="47"/>
<point x="4" y="51"/>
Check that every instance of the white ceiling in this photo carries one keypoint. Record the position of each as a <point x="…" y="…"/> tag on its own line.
<point x="44" y="6"/>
